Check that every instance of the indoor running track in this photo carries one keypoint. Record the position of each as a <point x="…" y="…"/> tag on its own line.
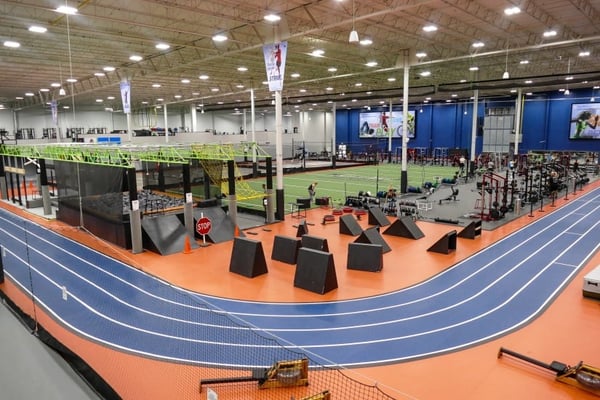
<point x="491" y="293"/>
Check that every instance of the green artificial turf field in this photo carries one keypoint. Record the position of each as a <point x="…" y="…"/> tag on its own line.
<point x="348" y="181"/>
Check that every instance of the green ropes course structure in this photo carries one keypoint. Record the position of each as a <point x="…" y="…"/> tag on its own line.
<point x="212" y="157"/>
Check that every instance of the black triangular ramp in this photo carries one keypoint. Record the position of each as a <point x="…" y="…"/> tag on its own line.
<point x="222" y="226"/>
<point x="165" y="234"/>
<point x="1" y="265"/>
<point x="365" y="257"/>
<point x="349" y="225"/>
<point x="302" y="229"/>
<point x="445" y="244"/>
<point x="313" y="242"/>
<point x="378" y="217"/>
<point x="404" y="227"/>
<point x="372" y="236"/>
<point x="285" y="249"/>
<point x="471" y="231"/>
<point x="315" y="271"/>
<point x="247" y="258"/>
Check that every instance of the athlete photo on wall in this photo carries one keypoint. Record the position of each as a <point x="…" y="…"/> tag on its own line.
<point x="382" y="124"/>
<point x="585" y="121"/>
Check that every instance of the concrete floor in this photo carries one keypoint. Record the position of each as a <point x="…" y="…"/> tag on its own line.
<point x="31" y="370"/>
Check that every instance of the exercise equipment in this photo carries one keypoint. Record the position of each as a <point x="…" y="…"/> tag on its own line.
<point x="581" y="376"/>
<point x="281" y="374"/>
<point x="324" y="395"/>
<point x="404" y="227"/>
<point x="591" y="283"/>
<point x="491" y="186"/>
<point x="446" y="244"/>
<point x="247" y="258"/>
<point x="315" y="271"/>
<point x="452" y="197"/>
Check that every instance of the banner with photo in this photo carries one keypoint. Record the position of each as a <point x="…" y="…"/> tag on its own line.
<point x="54" y="109"/>
<point x="378" y="124"/>
<point x="585" y="121"/>
<point x="275" y="55"/>
<point x="126" y="96"/>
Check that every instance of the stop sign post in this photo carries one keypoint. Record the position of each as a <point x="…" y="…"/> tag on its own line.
<point x="203" y="227"/>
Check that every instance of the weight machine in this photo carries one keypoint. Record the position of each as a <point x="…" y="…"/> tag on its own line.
<point x="581" y="376"/>
<point x="281" y="374"/>
<point x="492" y="185"/>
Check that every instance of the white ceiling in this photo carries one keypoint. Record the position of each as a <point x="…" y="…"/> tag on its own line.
<point x="107" y="32"/>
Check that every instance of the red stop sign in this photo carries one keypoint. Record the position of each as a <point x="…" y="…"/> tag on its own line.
<point x="203" y="226"/>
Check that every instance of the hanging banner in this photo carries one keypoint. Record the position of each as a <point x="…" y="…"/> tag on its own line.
<point x="125" y="96"/>
<point x="54" y="109"/>
<point x="275" y="62"/>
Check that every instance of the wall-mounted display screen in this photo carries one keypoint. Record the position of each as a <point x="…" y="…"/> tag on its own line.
<point x="585" y="121"/>
<point x="379" y="124"/>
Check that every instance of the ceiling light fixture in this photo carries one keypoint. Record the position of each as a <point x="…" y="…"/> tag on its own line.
<point x="12" y="44"/>
<point x="219" y="37"/>
<point x="272" y="17"/>
<point x="37" y="29"/>
<point x="506" y="75"/>
<point x="66" y="10"/>
<point x="353" y="38"/>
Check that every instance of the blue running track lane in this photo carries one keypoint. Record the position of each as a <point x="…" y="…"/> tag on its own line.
<point x="493" y="292"/>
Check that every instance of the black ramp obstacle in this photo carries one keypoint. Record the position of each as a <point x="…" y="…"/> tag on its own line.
<point x="302" y="229"/>
<point x="285" y="249"/>
<point x="471" y="231"/>
<point x="445" y="244"/>
<point x="365" y="257"/>
<point x="314" y="242"/>
<point x="1" y="265"/>
<point x="404" y="227"/>
<point x="372" y="236"/>
<point x="247" y="258"/>
<point x="315" y="271"/>
<point x="377" y="217"/>
<point x="165" y="234"/>
<point x="222" y="227"/>
<point x="349" y="225"/>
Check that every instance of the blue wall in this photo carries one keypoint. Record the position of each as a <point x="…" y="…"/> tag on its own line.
<point x="545" y="124"/>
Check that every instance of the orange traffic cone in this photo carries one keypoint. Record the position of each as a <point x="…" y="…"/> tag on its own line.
<point x="187" y="246"/>
<point x="236" y="231"/>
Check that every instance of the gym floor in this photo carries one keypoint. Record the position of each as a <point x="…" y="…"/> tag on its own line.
<point x="566" y="330"/>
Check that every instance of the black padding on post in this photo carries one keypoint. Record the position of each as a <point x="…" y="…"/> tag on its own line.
<point x="471" y="231"/>
<point x="285" y="249"/>
<point x="372" y="236"/>
<point x="247" y="258"/>
<point x="165" y="234"/>
<point x="302" y="229"/>
<point x="349" y="225"/>
<point x="365" y="257"/>
<point x="404" y="227"/>
<point x="377" y="217"/>
<point x="445" y="244"/>
<point x="1" y="265"/>
<point x="315" y="271"/>
<point x="316" y="243"/>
